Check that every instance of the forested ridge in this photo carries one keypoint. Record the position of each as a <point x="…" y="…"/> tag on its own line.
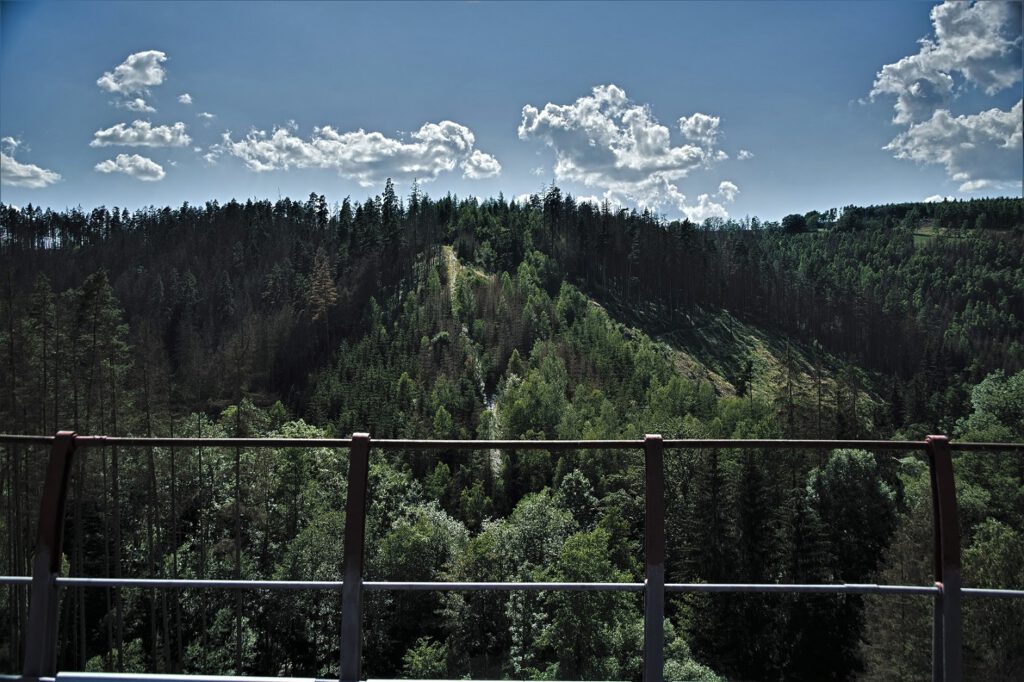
<point x="448" y="318"/>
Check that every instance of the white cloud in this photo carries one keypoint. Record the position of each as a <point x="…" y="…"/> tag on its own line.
<point x="713" y="205"/>
<point x="136" y="166"/>
<point x="700" y="128"/>
<point x="593" y="199"/>
<point x="10" y="143"/>
<point x="480" y="165"/>
<point x="205" y="115"/>
<point x="728" y="190"/>
<point x="980" y="150"/>
<point x="523" y="199"/>
<point x="137" y="73"/>
<point x="367" y="158"/>
<point x="980" y="42"/>
<point x="975" y="44"/>
<point x="142" y="134"/>
<point x="937" y="199"/>
<point x="606" y="141"/>
<point x="744" y="155"/>
<point x="705" y="208"/>
<point x="137" y="104"/>
<point x="538" y="171"/>
<point x="18" y="174"/>
<point x="185" y="98"/>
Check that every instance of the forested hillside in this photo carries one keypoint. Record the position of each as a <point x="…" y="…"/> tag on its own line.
<point x="447" y="318"/>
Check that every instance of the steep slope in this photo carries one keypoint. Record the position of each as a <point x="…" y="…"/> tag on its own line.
<point x="740" y="358"/>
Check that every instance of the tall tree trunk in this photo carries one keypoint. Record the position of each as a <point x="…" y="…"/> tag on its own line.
<point x="238" y="541"/>
<point x="151" y="558"/>
<point x="238" y="562"/>
<point x="56" y="366"/>
<point x="106" y="560"/>
<point x="179" y="654"/>
<point x="203" y="501"/>
<point x="118" y="601"/>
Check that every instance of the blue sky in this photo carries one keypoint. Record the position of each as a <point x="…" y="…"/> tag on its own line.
<point x="697" y="109"/>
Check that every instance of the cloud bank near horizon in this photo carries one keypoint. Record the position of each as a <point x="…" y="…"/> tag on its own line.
<point x="607" y="142"/>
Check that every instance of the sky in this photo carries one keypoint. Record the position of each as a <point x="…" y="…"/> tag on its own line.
<point x="724" y="109"/>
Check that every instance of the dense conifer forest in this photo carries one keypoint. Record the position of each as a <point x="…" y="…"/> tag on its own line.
<point x="550" y="318"/>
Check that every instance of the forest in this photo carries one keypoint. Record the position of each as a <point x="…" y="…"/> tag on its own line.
<point x="420" y="317"/>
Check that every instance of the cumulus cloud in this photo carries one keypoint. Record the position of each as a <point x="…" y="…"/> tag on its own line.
<point x="980" y="42"/>
<point x="185" y="98"/>
<point x="728" y="190"/>
<point x="700" y="128"/>
<point x="713" y="205"/>
<point x="142" y="134"/>
<point x="598" y="202"/>
<point x="538" y="171"/>
<point x="205" y="115"/>
<point x="744" y="155"/>
<point x="136" y="166"/>
<point x="11" y="144"/>
<point x="18" y="174"/>
<point x="137" y="104"/>
<point x="366" y="157"/>
<point x="980" y="150"/>
<point x="975" y="45"/>
<point x="606" y="141"/>
<point x="135" y="74"/>
<point x="937" y="199"/>
<point x="480" y="165"/>
<point x="705" y="208"/>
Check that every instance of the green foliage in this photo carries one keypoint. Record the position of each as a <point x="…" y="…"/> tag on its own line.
<point x="994" y="629"/>
<point x="581" y="622"/>
<point x="997" y="413"/>
<point x="857" y="507"/>
<point x="453" y="319"/>
<point x="425" y="660"/>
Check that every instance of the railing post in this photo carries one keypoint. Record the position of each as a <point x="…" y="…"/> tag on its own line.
<point x="44" y="599"/>
<point x="654" y="558"/>
<point x="352" y="587"/>
<point x="947" y="624"/>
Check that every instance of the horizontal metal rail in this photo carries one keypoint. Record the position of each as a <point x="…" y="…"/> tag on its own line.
<point x="73" y="676"/>
<point x="794" y="588"/>
<point x="205" y="583"/>
<point x="987" y="593"/>
<point x="15" y="580"/>
<point x="398" y="586"/>
<point x="417" y="444"/>
<point x="447" y="586"/>
<point x="77" y="676"/>
<point x="40" y="653"/>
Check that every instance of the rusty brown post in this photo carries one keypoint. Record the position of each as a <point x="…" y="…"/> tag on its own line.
<point x="352" y="586"/>
<point x="654" y="558"/>
<point x="947" y="623"/>
<point x="44" y="599"/>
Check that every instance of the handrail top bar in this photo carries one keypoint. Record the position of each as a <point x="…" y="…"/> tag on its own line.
<point x="464" y="586"/>
<point x="15" y="439"/>
<point x="401" y="443"/>
<point x="76" y="676"/>
<point x="404" y="586"/>
<point x="970" y="446"/>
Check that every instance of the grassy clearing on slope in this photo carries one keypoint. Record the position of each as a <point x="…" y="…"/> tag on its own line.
<point x="715" y="346"/>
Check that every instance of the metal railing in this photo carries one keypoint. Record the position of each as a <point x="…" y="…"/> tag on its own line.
<point x="40" y="659"/>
